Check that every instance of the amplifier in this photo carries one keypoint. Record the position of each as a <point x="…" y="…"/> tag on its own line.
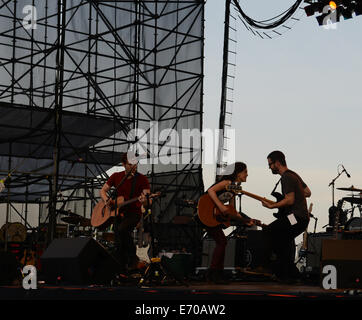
<point x="346" y="257"/>
<point x="314" y="251"/>
<point x="242" y="251"/>
<point x="233" y="254"/>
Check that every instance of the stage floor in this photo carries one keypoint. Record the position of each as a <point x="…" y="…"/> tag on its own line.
<point x="189" y="292"/>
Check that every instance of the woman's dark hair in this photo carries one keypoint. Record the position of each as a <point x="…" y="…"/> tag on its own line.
<point x="238" y="167"/>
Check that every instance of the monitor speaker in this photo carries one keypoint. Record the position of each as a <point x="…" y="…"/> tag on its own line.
<point x="9" y="268"/>
<point x="78" y="261"/>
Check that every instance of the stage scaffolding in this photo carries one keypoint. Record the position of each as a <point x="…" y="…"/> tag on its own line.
<point x="75" y="77"/>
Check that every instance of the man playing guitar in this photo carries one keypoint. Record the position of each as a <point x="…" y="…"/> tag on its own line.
<point x="134" y="185"/>
<point x="282" y="232"/>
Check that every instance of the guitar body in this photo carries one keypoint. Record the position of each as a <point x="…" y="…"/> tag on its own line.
<point x="210" y="215"/>
<point x="102" y="215"/>
<point x="282" y="212"/>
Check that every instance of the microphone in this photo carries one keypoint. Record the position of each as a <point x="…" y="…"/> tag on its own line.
<point x="344" y="169"/>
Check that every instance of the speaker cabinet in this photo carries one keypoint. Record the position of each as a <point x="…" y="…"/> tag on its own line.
<point x="233" y="254"/>
<point x="242" y="251"/>
<point x="258" y="252"/>
<point x="179" y="265"/>
<point x="314" y="251"/>
<point x="346" y="257"/>
<point x="77" y="261"/>
<point x="8" y="268"/>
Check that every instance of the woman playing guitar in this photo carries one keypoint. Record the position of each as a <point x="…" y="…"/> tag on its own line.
<point x="220" y="195"/>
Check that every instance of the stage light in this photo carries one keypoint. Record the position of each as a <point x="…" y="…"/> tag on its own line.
<point x="346" y="13"/>
<point x="309" y="10"/>
<point x="313" y="8"/>
<point x="333" y="10"/>
<point x="357" y="8"/>
<point x="332" y="5"/>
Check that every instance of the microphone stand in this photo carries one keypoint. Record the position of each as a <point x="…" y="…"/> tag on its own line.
<point x="315" y="223"/>
<point x="332" y="183"/>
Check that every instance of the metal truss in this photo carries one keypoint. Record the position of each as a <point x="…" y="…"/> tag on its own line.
<point x="121" y="63"/>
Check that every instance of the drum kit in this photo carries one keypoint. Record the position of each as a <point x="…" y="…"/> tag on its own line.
<point x="13" y="232"/>
<point x="79" y="226"/>
<point x="353" y="223"/>
<point x="28" y="244"/>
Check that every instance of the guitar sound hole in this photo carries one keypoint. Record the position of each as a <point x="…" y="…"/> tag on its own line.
<point x="221" y="218"/>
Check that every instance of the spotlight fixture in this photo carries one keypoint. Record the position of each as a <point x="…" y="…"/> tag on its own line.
<point x="333" y="10"/>
<point x="313" y="8"/>
<point x="332" y="5"/>
<point x="346" y="13"/>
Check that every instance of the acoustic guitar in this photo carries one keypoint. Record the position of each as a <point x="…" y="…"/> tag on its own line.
<point x="103" y="215"/>
<point x="211" y="216"/>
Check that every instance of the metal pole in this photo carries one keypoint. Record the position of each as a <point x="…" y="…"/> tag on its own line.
<point x="8" y="200"/>
<point x="58" y="117"/>
<point x="223" y="87"/>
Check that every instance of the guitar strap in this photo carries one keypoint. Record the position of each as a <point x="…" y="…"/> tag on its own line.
<point x="133" y="185"/>
<point x="276" y="186"/>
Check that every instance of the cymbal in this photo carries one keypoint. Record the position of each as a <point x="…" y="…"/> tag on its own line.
<point x="352" y="188"/>
<point x="353" y="200"/>
<point x="186" y="203"/>
<point x="65" y="212"/>
<point x="76" y="219"/>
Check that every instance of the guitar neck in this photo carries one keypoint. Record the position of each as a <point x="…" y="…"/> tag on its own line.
<point x="128" y="202"/>
<point x="254" y="196"/>
<point x="136" y="199"/>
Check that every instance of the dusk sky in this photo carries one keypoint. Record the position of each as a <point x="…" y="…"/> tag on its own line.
<point x="298" y="93"/>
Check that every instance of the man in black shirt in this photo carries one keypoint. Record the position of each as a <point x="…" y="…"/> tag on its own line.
<point x="282" y="232"/>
